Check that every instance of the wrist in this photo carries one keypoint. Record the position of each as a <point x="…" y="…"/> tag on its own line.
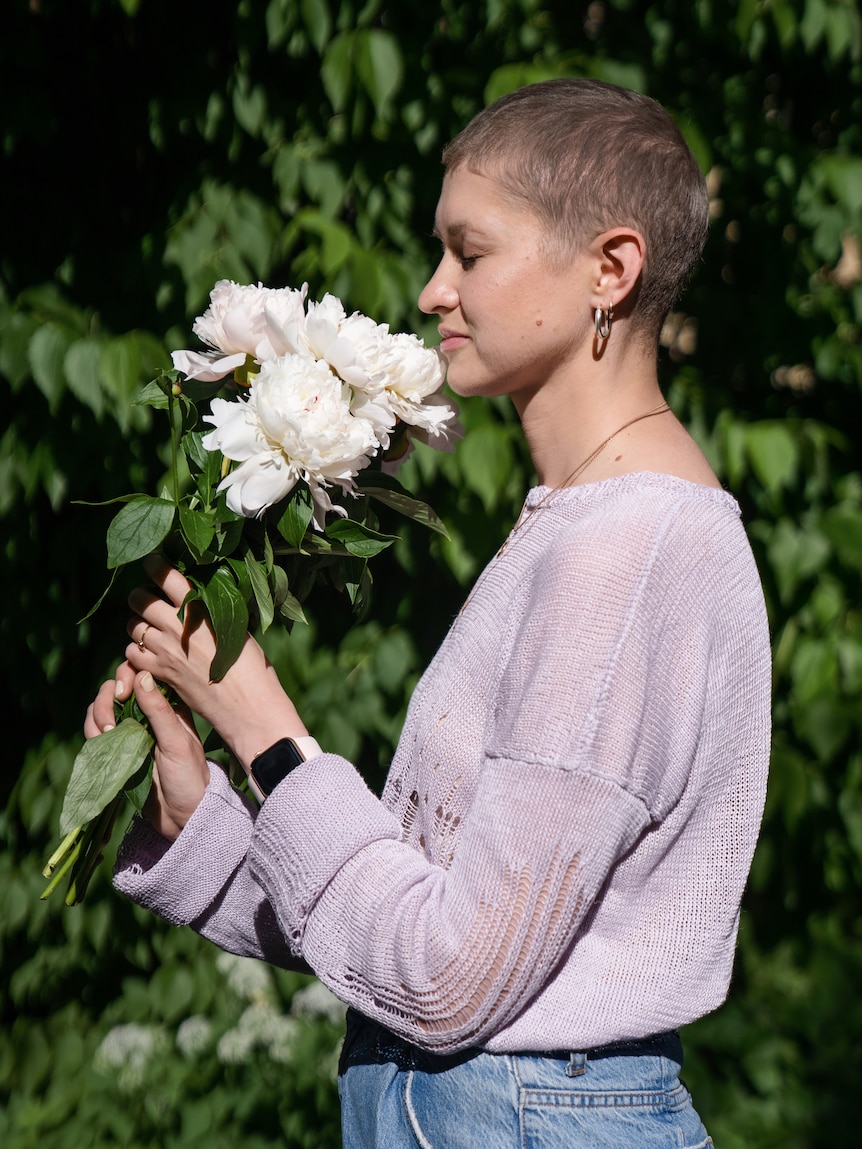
<point x="273" y="765"/>
<point x="253" y="726"/>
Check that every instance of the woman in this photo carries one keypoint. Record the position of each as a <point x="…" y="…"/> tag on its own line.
<point x="550" y="883"/>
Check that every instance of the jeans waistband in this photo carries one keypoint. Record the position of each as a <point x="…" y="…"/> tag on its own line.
<point x="368" y="1043"/>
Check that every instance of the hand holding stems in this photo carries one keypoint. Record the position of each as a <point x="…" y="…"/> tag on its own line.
<point x="180" y="772"/>
<point x="248" y="706"/>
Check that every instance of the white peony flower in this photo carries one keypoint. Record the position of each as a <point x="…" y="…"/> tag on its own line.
<point x="296" y="424"/>
<point x="341" y="340"/>
<point x="208" y="366"/>
<point x="243" y="320"/>
<point x="414" y="386"/>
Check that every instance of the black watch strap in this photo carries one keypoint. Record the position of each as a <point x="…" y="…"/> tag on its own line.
<point x="273" y="765"/>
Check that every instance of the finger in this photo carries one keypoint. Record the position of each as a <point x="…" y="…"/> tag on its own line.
<point x="167" y="579"/>
<point x="152" y="608"/>
<point x="167" y="730"/>
<point x="145" y="635"/>
<point x="100" y="712"/>
<point x="124" y="682"/>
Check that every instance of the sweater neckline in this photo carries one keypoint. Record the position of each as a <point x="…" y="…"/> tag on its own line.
<point x="588" y="493"/>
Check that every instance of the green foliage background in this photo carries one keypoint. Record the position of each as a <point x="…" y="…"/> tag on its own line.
<point x="152" y="148"/>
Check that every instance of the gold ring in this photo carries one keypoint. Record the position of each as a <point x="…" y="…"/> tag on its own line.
<point x="140" y="641"/>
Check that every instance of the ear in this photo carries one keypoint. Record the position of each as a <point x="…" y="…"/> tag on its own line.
<point x="618" y="257"/>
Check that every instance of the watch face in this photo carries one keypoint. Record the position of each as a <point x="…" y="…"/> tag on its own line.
<point x="274" y="764"/>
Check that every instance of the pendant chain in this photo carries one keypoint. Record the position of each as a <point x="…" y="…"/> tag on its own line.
<point x="529" y="513"/>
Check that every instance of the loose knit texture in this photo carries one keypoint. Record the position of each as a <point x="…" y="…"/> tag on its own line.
<point x="560" y="850"/>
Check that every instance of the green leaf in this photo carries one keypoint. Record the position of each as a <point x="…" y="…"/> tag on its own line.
<point x="138" y="529"/>
<point x="297" y="515"/>
<point x="315" y="16"/>
<point x="240" y="573"/>
<point x="101" y="597"/>
<point x="154" y="395"/>
<point x="387" y="490"/>
<point x="488" y="463"/>
<point x="101" y="770"/>
<point x="16" y="332"/>
<point x="794" y="554"/>
<point x="842" y="525"/>
<point x="81" y="366"/>
<point x="336" y="71"/>
<point x="260" y="589"/>
<point x="198" y="530"/>
<point x="121" y="368"/>
<point x="358" y="539"/>
<point x="380" y="67"/>
<point x="229" y="529"/>
<point x="138" y="787"/>
<point x="47" y="353"/>
<point x="291" y="610"/>
<point x="773" y="453"/>
<point x="229" y="617"/>
<point x="249" y="106"/>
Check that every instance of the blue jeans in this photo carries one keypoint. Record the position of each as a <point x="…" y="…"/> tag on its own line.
<point x="625" y="1096"/>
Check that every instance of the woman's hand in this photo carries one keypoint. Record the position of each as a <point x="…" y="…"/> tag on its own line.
<point x="248" y="707"/>
<point x="181" y="774"/>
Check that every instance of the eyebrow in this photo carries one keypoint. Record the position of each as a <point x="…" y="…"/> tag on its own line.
<point x="453" y="231"/>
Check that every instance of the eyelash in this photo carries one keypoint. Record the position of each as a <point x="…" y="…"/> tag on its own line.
<point x="466" y="261"/>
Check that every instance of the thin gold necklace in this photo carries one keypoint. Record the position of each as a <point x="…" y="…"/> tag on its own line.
<point x="528" y="514"/>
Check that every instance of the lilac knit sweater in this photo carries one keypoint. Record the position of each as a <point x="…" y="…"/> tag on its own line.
<point x="560" y="850"/>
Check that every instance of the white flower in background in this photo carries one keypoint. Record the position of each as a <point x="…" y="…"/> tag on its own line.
<point x="296" y="424"/>
<point x="194" y="1035"/>
<point x="126" y="1052"/>
<point x="247" y="978"/>
<point x="259" y="1028"/>
<point x="316" y="1001"/>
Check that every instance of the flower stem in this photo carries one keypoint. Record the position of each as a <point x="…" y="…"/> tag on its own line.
<point x="60" y="852"/>
<point x="95" y="836"/>
<point x="175" y="474"/>
<point x="72" y="857"/>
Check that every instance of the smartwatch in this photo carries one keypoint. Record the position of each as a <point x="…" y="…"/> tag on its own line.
<point x="271" y="766"/>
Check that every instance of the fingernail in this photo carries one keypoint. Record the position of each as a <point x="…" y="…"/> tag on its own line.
<point x="108" y="726"/>
<point x="147" y="682"/>
<point x="118" y="689"/>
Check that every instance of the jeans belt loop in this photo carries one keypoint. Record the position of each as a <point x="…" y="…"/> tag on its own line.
<point x="577" y="1065"/>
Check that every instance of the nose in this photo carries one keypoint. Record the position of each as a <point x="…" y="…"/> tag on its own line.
<point x="439" y="294"/>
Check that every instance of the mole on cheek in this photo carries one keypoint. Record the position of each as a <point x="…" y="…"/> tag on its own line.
<point x="538" y="322"/>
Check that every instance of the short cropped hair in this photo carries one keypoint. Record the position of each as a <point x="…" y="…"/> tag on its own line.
<point x="586" y="156"/>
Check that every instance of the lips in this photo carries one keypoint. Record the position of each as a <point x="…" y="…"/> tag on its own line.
<point x="451" y="340"/>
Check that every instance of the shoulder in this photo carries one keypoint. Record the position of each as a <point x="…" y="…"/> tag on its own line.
<point x="641" y="515"/>
<point x="645" y="538"/>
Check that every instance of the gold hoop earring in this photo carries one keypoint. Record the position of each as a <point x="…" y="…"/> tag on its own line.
<point x="604" y="319"/>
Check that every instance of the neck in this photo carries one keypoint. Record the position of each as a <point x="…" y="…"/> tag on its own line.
<point x="565" y="420"/>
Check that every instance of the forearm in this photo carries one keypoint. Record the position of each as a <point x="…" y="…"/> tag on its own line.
<point x="443" y="957"/>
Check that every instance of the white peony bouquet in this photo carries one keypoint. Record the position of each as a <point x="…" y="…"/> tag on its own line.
<point x="307" y="414"/>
